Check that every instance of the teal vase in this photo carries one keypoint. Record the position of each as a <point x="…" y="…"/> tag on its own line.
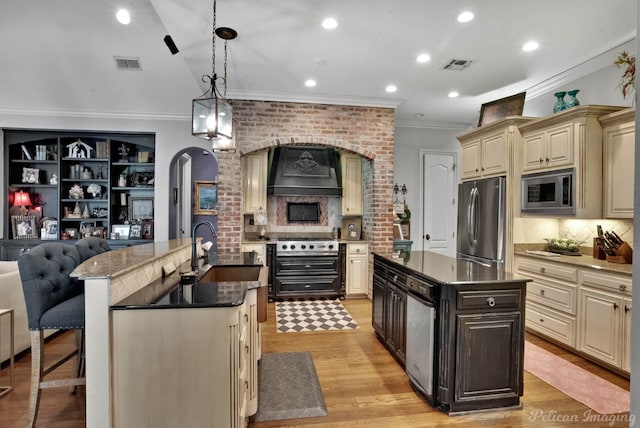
<point x="560" y="104"/>
<point x="572" y="101"/>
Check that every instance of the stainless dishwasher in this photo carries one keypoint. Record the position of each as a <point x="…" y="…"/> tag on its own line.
<point x="421" y="318"/>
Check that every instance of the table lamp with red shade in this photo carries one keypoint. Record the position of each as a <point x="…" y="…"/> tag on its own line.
<point x="21" y="199"/>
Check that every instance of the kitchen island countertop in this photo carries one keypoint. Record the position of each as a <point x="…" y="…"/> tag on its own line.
<point x="449" y="270"/>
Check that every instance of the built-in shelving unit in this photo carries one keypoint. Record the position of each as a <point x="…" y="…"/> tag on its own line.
<point x="78" y="183"/>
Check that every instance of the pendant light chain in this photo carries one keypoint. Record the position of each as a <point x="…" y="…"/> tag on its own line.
<point x="213" y="53"/>
<point x="225" y="69"/>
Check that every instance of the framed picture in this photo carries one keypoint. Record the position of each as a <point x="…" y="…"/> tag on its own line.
<point x="135" y="232"/>
<point x="121" y="231"/>
<point x="24" y="227"/>
<point x="140" y="208"/>
<point x="147" y="229"/>
<point x="351" y="228"/>
<point x="98" y="231"/>
<point x="72" y="232"/>
<point x="49" y="229"/>
<point x="31" y="175"/>
<point x="499" y="109"/>
<point x="86" y="228"/>
<point x="205" y="198"/>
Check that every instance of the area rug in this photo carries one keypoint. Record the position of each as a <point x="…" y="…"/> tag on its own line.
<point x="289" y="387"/>
<point x="312" y="315"/>
<point x="591" y="390"/>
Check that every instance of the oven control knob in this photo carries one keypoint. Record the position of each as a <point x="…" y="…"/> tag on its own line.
<point x="293" y="247"/>
<point x="284" y="247"/>
<point x="303" y="246"/>
<point x="331" y="246"/>
<point x="311" y="247"/>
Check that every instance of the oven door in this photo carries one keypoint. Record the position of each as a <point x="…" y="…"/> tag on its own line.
<point x="549" y="193"/>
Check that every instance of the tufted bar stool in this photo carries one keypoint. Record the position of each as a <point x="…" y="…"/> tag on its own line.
<point x="54" y="300"/>
<point x="91" y="246"/>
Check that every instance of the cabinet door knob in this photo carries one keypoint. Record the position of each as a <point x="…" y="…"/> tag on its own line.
<point x="547" y="159"/>
<point x="427" y="236"/>
<point x="541" y="160"/>
<point x="491" y="301"/>
<point x="542" y="292"/>
<point x="615" y="306"/>
<point x="622" y="287"/>
<point x="542" y="270"/>
<point x="307" y="286"/>
<point x="627" y="308"/>
<point x="477" y="170"/>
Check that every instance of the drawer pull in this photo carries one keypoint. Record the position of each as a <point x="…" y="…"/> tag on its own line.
<point x="542" y="270"/>
<point x="541" y="320"/>
<point x="622" y="287"/>
<point x="307" y="286"/>
<point x="542" y="292"/>
<point x="395" y="278"/>
<point x="307" y="266"/>
<point x="491" y="301"/>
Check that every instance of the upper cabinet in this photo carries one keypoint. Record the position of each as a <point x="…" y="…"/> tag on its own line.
<point x="618" y="151"/>
<point x="79" y="183"/>
<point x="548" y="149"/>
<point x="255" y="181"/>
<point x="571" y="138"/>
<point x="351" y="185"/>
<point x="487" y="151"/>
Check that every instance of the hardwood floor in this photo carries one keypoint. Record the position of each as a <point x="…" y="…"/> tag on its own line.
<point x="362" y="385"/>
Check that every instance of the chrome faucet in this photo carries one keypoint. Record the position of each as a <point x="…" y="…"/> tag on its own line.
<point x="194" y="258"/>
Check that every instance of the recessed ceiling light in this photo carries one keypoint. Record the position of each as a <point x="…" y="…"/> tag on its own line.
<point x="530" y="46"/>
<point x="453" y="94"/>
<point x="310" y="83"/>
<point x="391" y="88"/>
<point x="419" y="115"/>
<point x="465" y="16"/>
<point x="329" y="23"/>
<point x="123" y="16"/>
<point x="423" y="58"/>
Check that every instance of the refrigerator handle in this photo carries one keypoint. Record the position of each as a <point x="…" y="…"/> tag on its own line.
<point x="472" y="220"/>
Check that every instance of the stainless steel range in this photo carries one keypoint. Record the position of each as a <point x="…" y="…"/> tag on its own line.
<point x="308" y="268"/>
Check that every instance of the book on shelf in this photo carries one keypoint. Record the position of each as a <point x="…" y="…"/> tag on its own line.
<point x="25" y="152"/>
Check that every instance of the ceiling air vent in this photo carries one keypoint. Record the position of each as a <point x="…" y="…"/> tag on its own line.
<point x="457" y="64"/>
<point x="123" y="63"/>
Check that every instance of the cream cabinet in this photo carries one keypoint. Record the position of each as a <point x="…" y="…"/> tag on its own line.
<point x="618" y="152"/>
<point x="485" y="156"/>
<point x="202" y="376"/>
<point x="569" y="139"/>
<point x="357" y="269"/>
<point x="584" y="309"/>
<point x="605" y="308"/>
<point x="351" y="184"/>
<point x="254" y="166"/>
<point x="551" y="298"/>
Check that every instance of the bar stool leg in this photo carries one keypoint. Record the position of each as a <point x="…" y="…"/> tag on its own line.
<point x="37" y="370"/>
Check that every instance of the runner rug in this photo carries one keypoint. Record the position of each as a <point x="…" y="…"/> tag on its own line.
<point x="289" y="387"/>
<point x="591" y="390"/>
<point x="312" y="315"/>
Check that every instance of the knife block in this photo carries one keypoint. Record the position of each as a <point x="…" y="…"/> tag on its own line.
<point x="624" y="254"/>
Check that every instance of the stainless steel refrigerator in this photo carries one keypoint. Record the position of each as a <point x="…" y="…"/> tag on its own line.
<point x="481" y="221"/>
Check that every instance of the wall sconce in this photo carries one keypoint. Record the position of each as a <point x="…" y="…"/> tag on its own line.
<point x="21" y="199"/>
<point x="260" y="219"/>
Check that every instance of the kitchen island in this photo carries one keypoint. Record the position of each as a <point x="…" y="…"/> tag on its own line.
<point x="136" y="336"/>
<point x="456" y="326"/>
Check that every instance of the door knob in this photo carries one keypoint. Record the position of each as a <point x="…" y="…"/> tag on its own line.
<point x="427" y="236"/>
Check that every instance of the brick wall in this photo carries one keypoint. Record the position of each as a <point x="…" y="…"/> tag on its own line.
<point x="367" y="131"/>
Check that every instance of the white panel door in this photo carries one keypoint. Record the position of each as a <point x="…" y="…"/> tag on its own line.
<point x="439" y="207"/>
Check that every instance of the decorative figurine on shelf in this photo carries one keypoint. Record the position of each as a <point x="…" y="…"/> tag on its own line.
<point x="79" y="149"/>
<point x="100" y="175"/>
<point x="76" y="210"/>
<point x="95" y="190"/>
<point x="76" y="192"/>
<point x="124" y="153"/>
<point x="86" y="174"/>
<point x="85" y="213"/>
<point x="53" y="180"/>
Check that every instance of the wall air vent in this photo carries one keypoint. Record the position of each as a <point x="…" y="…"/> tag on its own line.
<point x="457" y="64"/>
<point x="124" y="63"/>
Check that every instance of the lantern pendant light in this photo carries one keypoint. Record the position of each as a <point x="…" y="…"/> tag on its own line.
<point x="211" y="113"/>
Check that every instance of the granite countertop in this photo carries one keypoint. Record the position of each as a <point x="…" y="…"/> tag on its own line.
<point x="582" y="261"/>
<point x="450" y="270"/>
<point x="198" y="295"/>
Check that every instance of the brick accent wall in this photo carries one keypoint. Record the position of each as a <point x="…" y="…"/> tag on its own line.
<point x="367" y="131"/>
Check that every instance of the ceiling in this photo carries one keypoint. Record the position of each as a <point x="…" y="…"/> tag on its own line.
<point x="58" y="56"/>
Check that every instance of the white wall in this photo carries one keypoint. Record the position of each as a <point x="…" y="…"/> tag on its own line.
<point x="408" y="143"/>
<point x="172" y="135"/>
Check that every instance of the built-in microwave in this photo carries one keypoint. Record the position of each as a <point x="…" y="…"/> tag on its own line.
<point x="549" y="193"/>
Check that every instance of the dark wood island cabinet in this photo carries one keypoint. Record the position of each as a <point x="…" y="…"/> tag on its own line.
<point x="478" y="341"/>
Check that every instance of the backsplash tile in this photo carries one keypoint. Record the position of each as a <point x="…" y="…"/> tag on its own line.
<point x="535" y="230"/>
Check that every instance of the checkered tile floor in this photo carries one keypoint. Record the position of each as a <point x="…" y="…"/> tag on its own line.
<point x="312" y="315"/>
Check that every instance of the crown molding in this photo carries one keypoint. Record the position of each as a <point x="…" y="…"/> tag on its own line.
<point x="314" y="99"/>
<point x="12" y="111"/>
